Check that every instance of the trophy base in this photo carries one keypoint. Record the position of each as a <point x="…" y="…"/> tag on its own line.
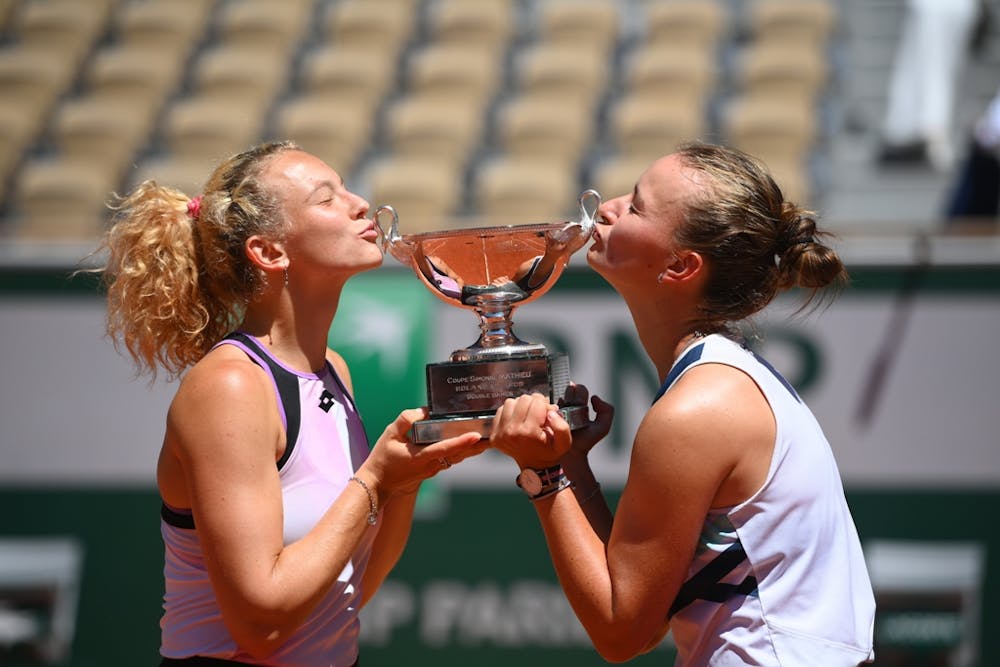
<point x="427" y="431"/>
<point x="469" y="389"/>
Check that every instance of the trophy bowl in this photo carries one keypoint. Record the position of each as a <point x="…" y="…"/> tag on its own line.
<point x="491" y="271"/>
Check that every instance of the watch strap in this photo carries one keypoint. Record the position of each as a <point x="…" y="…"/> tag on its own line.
<point x="553" y="480"/>
<point x="563" y="483"/>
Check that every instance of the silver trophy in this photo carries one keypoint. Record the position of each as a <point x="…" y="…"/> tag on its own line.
<point x="491" y="271"/>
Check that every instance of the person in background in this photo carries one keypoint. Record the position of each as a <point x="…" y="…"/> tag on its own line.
<point x="975" y="194"/>
<point x="278" y="520"/>
<point x="932" y="53"/>
<point x="732" y="530"/>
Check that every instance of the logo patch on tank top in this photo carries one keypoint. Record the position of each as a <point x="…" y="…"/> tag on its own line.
<point x="325" y="401"/>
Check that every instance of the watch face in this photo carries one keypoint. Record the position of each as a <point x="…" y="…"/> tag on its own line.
<point x="530" y="482"/>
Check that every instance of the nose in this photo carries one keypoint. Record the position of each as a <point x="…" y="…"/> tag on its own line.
<point x="607" y="212"/>
<point x="359" y="206"/>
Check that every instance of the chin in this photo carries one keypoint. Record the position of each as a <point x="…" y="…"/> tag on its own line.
<point x="593" y="258"/>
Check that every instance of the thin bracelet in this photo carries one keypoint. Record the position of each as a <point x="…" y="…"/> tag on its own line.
<point x="590" y="495"/>
<point x="372" y="506"/>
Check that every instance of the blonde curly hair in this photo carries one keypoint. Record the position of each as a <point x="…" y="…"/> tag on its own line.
<point x="177" y="275"/>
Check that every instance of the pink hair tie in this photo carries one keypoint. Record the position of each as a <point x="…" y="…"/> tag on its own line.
<point x="194" y="207"/>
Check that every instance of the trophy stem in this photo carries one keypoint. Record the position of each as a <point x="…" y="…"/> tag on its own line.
<point x="497" y="339"/>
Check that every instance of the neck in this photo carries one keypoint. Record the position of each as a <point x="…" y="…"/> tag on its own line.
<point x="663" y="334"/>
<point x="293" y="328"/>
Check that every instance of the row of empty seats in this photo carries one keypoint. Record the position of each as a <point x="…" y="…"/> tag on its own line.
<point x="502" y="110"/>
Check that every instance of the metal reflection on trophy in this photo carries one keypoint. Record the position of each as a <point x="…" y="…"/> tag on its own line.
<point x="491" y="271"/>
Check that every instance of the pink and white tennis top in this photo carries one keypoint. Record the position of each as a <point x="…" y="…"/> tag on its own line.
<point x="326" y="444"/>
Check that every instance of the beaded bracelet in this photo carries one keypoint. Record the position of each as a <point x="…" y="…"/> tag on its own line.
<point x="372" y="506"/>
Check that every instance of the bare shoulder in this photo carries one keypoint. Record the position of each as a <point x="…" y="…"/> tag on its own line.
<point x="224" y="374"/>
<point x="704" y="417"/>
<point x="714" y="425"/>
<point x="221" y="395"/>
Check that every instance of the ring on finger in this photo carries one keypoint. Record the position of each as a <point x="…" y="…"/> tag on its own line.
<point x="445" y="463"/>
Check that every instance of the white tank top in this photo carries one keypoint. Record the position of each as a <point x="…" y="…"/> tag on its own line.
<point x="779" y="579"/>
<point x="326" y="444"/>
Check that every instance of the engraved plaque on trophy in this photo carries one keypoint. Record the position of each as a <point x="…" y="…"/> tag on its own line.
<point x="491" y="271"/>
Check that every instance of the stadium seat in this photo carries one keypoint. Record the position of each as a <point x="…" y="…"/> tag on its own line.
<point x="337" y="130"/>
<point x="568" y="76"/>
<point x="253" y="76"/>
<point x="514" y="191"/>
<point x="454" y="73"/>
<point x="351" y="72"/>
<point x="617" y="175"/>
<point x="274" y="26"/>
<point x="186" y="174"/>
<point x="674" y="75"/>
<point x="62" y="198"/>
<point x="806" y="22"/>
<point x="646" y="127"/>
<point x="774" y="131"/>
<point x="69" y="28"/>
<point x="105" y="133"/>
<point x="782" y="70"/>
<point x="33" y="81"/>
<point x="377" y="25"/>
<point x="488" y="24"/>
<point x="133" y="75"/>
<point x="211" y="128"/>
<point x="536" y="128"/>
<point x="689" y="24"/>
<point x="16" y="133"/>
<point x="167" y="26"/>
<point x="428" y="126"/>
<point x="425" y="193"/>
<point x="590" y="24"/>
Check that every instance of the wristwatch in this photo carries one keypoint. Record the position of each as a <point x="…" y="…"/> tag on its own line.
<point x="540" y="482"/>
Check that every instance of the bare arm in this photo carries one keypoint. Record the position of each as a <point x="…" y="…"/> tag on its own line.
<point x="585" y="485"/>
<point x="684" y="452"/>
<point x="393" y="533"/>
<point x="225" y="432"/>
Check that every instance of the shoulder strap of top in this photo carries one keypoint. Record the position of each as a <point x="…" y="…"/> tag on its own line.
<point x="691" y="356"/>
<point x="287" y="388"/>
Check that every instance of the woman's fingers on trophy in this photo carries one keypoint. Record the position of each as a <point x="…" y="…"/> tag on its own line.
<point x="604" y="413"/>
<point x="524" y="429"/>
<point x="560" y="435"/>
<point x="596" y="429"/>
<point x="400" y="427"/>
<point x="445" y="453"/>
<point x="575" y="394"/>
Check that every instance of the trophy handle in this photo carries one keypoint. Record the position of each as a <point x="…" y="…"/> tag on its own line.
<point x="592" y="197"/>
<point x="386" y="241"/>
<point x="574" y="235"/>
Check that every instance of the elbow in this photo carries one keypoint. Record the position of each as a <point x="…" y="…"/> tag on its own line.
<point x="259" y="641"/>
<point x="622" y="646"/>
<point x="615" y="652"/>
<point x="260" y="634"/>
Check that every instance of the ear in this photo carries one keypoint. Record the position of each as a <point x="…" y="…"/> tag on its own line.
<point x="686" y="265"/>
<point x="268" y="255"/>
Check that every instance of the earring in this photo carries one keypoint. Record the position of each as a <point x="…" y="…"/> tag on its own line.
<point x="286" y="276"/>
<point x="659" y="278"/>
